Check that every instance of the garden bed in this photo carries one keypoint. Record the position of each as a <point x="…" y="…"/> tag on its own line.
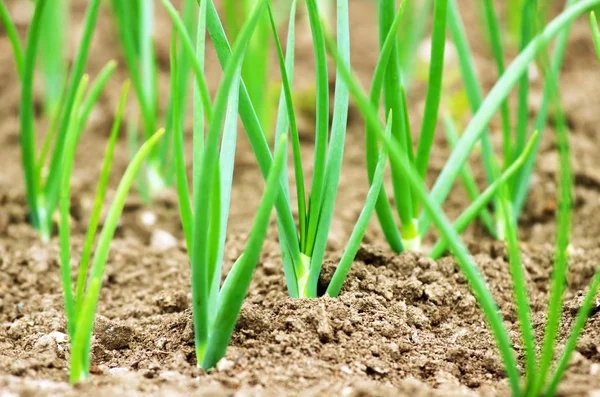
<point x="403" y="324"/>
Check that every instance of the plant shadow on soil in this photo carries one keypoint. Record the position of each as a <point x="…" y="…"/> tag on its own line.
<point x="403" y="324"/>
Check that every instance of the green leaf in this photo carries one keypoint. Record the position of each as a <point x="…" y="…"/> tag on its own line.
<point x="13" y="37"/>
<point x="261" y="152"/>
<point x="494" y="100"/>
<point x="188" y="46"/>
<point x="434" y="86"/>
<point x="65" y="211"/>
<point x="315" y="201"/>
<point x="94" y="221"/>
<point x="466" y="263"/>
<point x="484" y="198"/>
<point x="580" y="321"/>
<point x="291" y="118"/>
<point x="51" y="188"/>
<point x="336" y="150"/>
<point x="236" y="284"/>
<point x="595" y="32"/>
<point x="393" y="100"/>
<point x="201" y="224"/>
<point x="85" y="321"/>
<point x="341" y="272"/>
<point x="383" y="208"/>
<point x="27" y="118"/>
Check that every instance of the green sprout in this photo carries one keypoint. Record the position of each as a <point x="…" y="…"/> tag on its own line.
<point x="135" y="23"/>
<point x="216" y="307"/>
<point x="42" y="169"/>
<point x="486" y="108"/>
<point x="512" y="149"/>
<point x="80" y="304"/>
<point x="303" y="250"/>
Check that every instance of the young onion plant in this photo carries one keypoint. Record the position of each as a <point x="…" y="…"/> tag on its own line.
<point x="514" y="132"/>
<point x="303" y="250"/>
<point x="204" y="218"/>
<point x="135" y="24"/>
<point x="539" y="376"/>
<point x="303" y="247"/>
<point x="81" y="302"/>
<point x="415" y="224"/>
<point x="42" y="167"/>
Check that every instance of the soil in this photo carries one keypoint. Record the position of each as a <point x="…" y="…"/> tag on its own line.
<point x="403" y="324"/>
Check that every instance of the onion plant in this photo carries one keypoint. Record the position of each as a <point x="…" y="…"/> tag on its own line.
<point x="204" y="218"/>
<point x="81" y="302"/>
<point x="303" y="251"/>
<point x="539" y="376"/>
<point x="407" y="203"/>
<point x="135" y="24"/>
<point x="42" y="167"/>
<point x="514" y="136"/>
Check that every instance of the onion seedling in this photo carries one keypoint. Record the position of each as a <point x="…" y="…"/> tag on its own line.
<point x="512" y="148"/>
<point x="42" y="171"/>
<point x="303" y="251"/>
<point x="135" y="23"/>
<point x="216" y="307"/>
<point x="477" y="127"/>
<point x="80" y="304"/>
<point x="539" y="377"/>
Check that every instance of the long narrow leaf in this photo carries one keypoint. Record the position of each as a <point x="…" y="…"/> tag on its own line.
<point x="383" y="208"/>
<point x="476" y="206"/>
<point x="466" y="263"/>
<point x="28" y="155"/>
<point x="65" y="212"/>
<point x="13" y="36"/>
<point x="86" y="320"/>
<point x="53" y="182"/>
<point x="200" y="229"/>
<point x="494" y="100"/>
<point x="238" y="280"/>
<point x="90" y="236"/>
<point x="434" y="86"/>
<point x="188" y="46"/>
<point x="336" y="150"/>
<point x="580" y="321"/>
<point x="294" y="136"/>
<point x="261" y="151"/>
<point x="315" y="201"/>
<point x="341" y="272"/>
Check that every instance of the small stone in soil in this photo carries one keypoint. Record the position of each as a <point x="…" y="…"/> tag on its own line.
<point x="162" y="240"/>
<point x="117" y="371"/>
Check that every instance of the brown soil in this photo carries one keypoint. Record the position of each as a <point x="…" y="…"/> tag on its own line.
<point x="403" y="325"/>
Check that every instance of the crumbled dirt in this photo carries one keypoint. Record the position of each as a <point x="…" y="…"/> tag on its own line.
<point x="403" y="324"/>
